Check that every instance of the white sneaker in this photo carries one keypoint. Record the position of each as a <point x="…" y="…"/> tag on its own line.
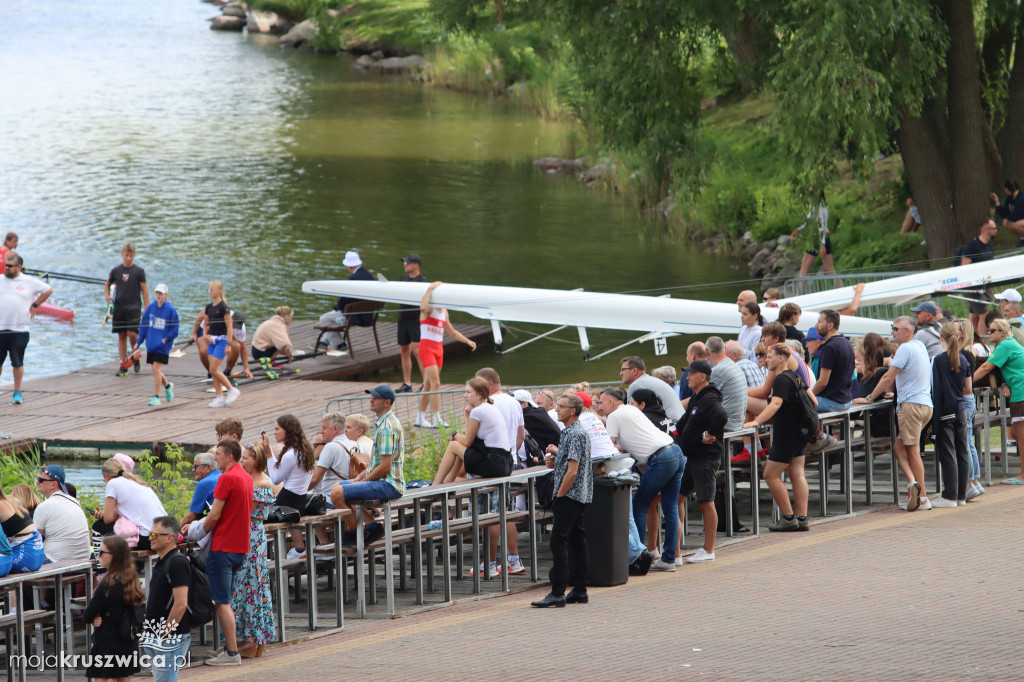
<point x="679" y="561"/>
<point x="218" y="402"/>
<point x="438" y="422"/>
<point x="943" y="503"/>
<point x="495" y="570"/>
<point x="961" y="503"/>
<point x="232" y="395"/>
<point x="516" y="567"/>
<point x="700" y="556"/>
<point x="419" y="420"/>
<point x="660" y="565"/>
<point x="926" y="504"/>
<point x="296" y="553"/>
<point x="223" y="658"/>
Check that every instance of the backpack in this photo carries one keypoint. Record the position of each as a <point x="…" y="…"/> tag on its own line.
<point x="534" y="453"/>
<point x="131" y="627"/>
<point x="200" y="599"/>
<point x="807" y="423"/>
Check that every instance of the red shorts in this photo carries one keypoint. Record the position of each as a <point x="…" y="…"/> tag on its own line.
<point x="431" y="354"/>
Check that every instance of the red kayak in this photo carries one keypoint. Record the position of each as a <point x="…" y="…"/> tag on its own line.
<point x="51" y="310"/>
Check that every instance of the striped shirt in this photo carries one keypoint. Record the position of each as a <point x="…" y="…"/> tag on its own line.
<point x="389" y="439"/>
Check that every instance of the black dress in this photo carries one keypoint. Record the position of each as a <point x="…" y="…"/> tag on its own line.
<point x="105" y="639"/>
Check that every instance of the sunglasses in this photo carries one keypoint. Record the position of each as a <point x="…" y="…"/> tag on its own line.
<point x="994" y="329"/>
<point x="154" y="536"/>
<point x="250" y="446"/>
<point x="761" y="355"/>
<point x="40" y="479"/>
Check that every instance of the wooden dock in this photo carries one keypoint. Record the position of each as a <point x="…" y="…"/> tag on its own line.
<point x="92" y="407"/>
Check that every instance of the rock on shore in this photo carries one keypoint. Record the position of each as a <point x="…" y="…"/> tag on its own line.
<point x="267" y="22"/>
<point x="300" y="36"/>
<point x="395" y="65"/>
<point x="773" y="261"/>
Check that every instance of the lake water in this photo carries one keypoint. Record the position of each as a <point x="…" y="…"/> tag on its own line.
<point x="223" y="157"/>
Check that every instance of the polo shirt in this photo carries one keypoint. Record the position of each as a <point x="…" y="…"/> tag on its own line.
<point x="836" y="354"/>
<point x="202" y="498"/>
<point x="172" y="570"/>
<point x="231" y="534"/>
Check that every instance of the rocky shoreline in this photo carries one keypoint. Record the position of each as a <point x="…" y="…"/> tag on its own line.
<point x="237" y="16"/>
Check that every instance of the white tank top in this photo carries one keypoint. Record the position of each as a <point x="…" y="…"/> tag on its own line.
<point x="432" y="328"/>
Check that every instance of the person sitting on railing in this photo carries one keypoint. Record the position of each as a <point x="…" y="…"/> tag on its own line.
<point x="292" y="469"/>
<point x="483" y="449"/>
<point x="129" y="506"/>
<point x="384" y="479"/>
<point x="24" y="538"/>
<point x="787" y="451"/>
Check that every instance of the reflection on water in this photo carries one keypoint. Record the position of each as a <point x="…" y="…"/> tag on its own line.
<point x="222" y="157"/>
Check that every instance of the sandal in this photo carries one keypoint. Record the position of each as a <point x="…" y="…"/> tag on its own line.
<point x="1013" y="481"/>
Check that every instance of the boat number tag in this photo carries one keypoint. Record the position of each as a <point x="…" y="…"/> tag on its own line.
<point x="661" y="346"/>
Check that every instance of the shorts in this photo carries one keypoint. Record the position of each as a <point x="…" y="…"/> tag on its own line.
<point x="287" y="498"/>
<point x="15" y="344"/>
<point x="217" y="347"/>
<point x="258" y="354"/>
<point x="1016" y="412"/>
<point x="978" y="308"/>
<point x="488" y="462"/>
<point x="784" y="453"/>
<point x="126" y="321"/>
<point x="431" y="354"/>
<point x="221" y="569"/>
<point x="827" y="243"/>
<point x="162" y="358"/>
<point x="369" y="490"/>
<point x="912" y="418"/>
<point x="699" y="475"/>
<point x="408" y="331"/>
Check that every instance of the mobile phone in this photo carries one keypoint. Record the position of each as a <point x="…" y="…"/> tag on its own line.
<point x="262" y="433"/>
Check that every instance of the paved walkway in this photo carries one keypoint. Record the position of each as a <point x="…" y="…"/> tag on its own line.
<point x="925" y="595"/>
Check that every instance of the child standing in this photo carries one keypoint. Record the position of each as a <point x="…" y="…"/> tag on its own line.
<point x="217" y="338"/>
<point x="129" y="282"/>
<point x="159" y="329"/>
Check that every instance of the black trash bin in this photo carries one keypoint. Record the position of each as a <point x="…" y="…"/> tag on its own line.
<point x="607" y="524"/>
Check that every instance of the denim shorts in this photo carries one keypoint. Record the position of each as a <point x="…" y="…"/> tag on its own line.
<point x="369" y="490"/>
<point x="221" y="568"/>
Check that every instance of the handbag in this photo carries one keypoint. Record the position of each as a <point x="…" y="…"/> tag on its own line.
<point x="316" y="505"/>
<point x="282" y="514"/>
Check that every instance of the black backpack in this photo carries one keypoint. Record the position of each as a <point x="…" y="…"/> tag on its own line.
<point x="807" y="424"/>
<point x="200" y="599"/>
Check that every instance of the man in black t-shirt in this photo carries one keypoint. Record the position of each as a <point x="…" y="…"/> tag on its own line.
<point x="166" y="636"/>
<point x="409" y="324"/>
<point x="129" y="283"/>
<point x="979" y="250"/>
<point x="835" y="365"/>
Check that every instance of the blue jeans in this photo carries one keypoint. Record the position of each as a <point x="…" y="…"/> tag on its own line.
<point x="636" y="545"/>
<point x="663" y="475"/>
<point x="221" y="569"/>
<point x="369" y="490"/>
<point x="826" y="405"/>
<point x="167" y="656"/>
<point x="970" y="408"/>
<point x="28" y="554"/>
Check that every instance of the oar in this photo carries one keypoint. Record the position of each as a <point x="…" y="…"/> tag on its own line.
<point x="110" y="306"/>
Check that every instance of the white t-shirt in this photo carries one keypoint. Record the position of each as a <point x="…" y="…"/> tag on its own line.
<point x="136" y="502"/>
<point x="289" y="473"/>
<point x="492" y="426"/>
<point x="16" y="296"/>
<point x="636" y="433"/>
<point x="512" y="412"/>
<point x="749" y="337"/>
<point x="601" y="446"/>
<point x="333" y="456"/>
<point x="64" y="527"/>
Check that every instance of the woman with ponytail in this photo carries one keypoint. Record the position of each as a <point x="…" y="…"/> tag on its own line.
<point x="951" y="380"/>
<point x="129" y="506"/>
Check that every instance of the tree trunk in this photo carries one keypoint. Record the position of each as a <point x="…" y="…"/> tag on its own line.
<point x="966" y="124"/>
<point x="929" y="179"/>
<point x="751" y="46"/>
<point x="1011" y="137"/>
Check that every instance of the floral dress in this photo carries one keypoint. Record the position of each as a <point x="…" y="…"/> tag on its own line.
<point x="251" y="600"/>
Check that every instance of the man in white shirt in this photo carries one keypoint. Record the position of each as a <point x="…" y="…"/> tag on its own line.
<point x="545" y="399"/>
<point x="332" y="448"/>
<point x="512" y="411"/>
<point x="59" y="518"/>
<point x="20" y="295"/>
<point x="663" y="464"/>
<point x="634" y="374"/>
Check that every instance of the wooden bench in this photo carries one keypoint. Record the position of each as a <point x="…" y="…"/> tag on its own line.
<point x="351" y="309"/>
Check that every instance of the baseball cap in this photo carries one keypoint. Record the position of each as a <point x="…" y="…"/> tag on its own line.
<point x="383" y="391"/>
<point x="1011" y="295"/>
<point x="56" y="472"/>
<point x="699" y="366"/>
<point x="412" y="258"/>
<point x="523" y="397"/>
<point x="161" y="288"/>
<point x="926" y="307"/>
<point x="352" y="260"/>
<point x="128" y="462"/>
<point x="813" y="335"/>
<point x="587" y="399"/>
